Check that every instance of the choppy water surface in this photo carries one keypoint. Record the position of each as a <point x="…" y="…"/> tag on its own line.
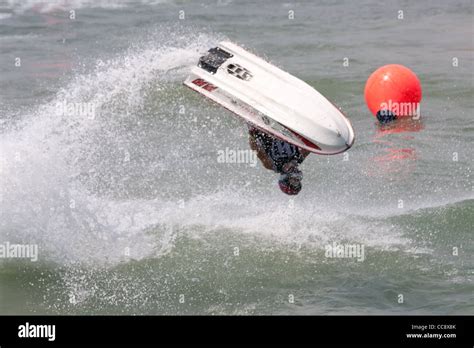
<point x="133" y="213"/>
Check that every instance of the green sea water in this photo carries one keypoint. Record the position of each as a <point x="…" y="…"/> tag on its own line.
<point x="132" y="212"/>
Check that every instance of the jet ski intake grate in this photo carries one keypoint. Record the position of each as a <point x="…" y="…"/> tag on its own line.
<point x="213" y="59"/>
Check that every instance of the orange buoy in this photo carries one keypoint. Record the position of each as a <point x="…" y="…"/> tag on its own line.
<point x="393" y="91"/>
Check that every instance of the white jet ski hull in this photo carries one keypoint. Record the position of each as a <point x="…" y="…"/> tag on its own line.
<point x="271" y="100"/>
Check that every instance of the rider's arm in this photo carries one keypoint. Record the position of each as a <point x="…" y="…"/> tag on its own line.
<point x="304" y="153"/>
<point x="262" y="156"/>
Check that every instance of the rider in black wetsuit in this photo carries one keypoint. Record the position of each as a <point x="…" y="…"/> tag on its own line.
<point x="281" y="157"/>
